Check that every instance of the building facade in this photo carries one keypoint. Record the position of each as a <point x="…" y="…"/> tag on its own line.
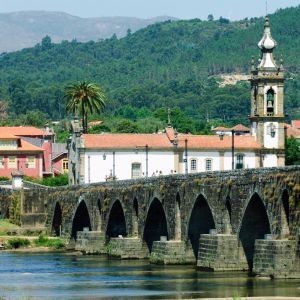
<point x="100" y="157"/>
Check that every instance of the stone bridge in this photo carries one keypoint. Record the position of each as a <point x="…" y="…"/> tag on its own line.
<point x="234" y="220"/>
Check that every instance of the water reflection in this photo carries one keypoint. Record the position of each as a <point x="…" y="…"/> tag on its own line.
<point x="51" y="276"/>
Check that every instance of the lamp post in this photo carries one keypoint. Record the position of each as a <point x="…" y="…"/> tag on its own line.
<point x="114" y="164"/>
<point x="186" y="156"/>
<point x="147" y="155"/>
<point x="232" y="149"/>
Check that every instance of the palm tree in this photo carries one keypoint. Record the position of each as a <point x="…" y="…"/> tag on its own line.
<point x="83" y="98"/>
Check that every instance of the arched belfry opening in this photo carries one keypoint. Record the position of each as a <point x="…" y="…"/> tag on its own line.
<point x="135" y="218"/>
<point x="57" y="220"/>
<point x="81" y="219"/>
<point x="285" y="214"/>
<point x="116" y="225"/>
<point x="270" y="101"/>
<point x="156" y="224"/>
<point x="255" y="224"/>
<point x="201" y="221"/>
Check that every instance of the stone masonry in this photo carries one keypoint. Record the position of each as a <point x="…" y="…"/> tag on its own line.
<point x="239" y="206"/>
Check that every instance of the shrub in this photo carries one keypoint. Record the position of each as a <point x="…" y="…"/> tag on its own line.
<point x="44" y="241"/>
<point x="17" y="243"/>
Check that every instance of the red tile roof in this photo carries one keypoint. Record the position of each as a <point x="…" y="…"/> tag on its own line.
<point x="161" y="141"/>
<point x="214" y="142"/>
<point x="292" y="131"/>
<point x="127" y="141"/>
<point x="23" y="131"/>
<point x="240" y="127"/>
<point x="296" y="124"/>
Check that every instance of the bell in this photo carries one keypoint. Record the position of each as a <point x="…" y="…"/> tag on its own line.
<point x="270" y="104"/>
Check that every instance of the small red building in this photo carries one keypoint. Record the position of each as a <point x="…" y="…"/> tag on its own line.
<point x="16" y="154"/>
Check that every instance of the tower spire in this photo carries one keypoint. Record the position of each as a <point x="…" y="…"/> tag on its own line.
<point x="267" y="44"/>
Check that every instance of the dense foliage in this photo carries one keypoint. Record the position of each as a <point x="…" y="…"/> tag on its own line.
<point x="169" y="64"/>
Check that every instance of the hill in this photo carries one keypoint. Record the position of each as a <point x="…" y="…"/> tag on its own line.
<point x="20" y="30"/>
<point x="169" y="64"/>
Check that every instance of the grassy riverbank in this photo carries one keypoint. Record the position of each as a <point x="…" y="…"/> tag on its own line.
<point x="11" y="240"/>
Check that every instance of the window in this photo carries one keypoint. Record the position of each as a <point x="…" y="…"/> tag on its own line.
<point x="239" y="161"/>
<point x="12" y="162"/>
<point x="193" y="163"/>
<point x="30" y="162"/>
<point x="270" y="102"/>
<point x="208" y="164"/>
<point x="65" y="165"/>
<point x="1" y="162"/>
<point x="136" y="170"/>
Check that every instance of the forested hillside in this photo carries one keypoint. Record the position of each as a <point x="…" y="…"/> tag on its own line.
<point x="170" y="64"/>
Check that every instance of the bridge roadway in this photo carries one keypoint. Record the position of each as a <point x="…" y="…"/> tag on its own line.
<point x="233" y="220"/>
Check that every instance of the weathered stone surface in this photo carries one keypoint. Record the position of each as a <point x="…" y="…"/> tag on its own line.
<point x="275" y="258"/>
<point x="90" y="242"/>
<point x="127" y="248"/>
<point x="168" y="252"/>
<point x="220" y="252"/>
<point x="244" y="203"/>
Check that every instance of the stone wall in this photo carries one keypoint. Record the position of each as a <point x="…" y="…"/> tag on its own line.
<point x="173" y="206"/>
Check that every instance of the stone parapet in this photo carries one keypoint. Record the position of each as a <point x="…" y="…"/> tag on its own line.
<point x="275" y="258"/>
<point x="168" y="252"/>
<point x="220" y="252"/>
<point x="90" y="242"/>
<point x="127" y="248"/>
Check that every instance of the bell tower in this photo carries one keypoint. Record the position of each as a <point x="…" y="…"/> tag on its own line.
<point x="267" y="102"/>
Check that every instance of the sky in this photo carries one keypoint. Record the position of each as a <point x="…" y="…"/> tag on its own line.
<point x="183" y="9"/>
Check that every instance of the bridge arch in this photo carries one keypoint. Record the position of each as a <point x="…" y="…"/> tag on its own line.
<point x="156" y="223"/>
<point x="57" y="220"/>
<point x="201" y="220"/>
<point x="254" y="225"/>
<point x="177" y="218"/>
<point x="116" y="224"/>
<point x="81" y="219"/>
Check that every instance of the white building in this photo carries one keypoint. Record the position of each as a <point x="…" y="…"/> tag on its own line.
<point x="100" y="157"/>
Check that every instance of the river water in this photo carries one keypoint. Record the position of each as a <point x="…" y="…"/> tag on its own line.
<point x="65" y="276"/>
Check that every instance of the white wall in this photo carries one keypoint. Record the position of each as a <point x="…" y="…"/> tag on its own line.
<point x="97" y="169"/>
<point x="249" y="159"/>
<point x="269" y="141"/>
<point x="201" y="158"/>
<point x="270" y="160"/>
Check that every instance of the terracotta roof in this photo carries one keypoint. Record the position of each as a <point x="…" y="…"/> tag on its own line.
<point x="214" y="142"/>
<point x="8" y="136"/>
<point x="292" y="131"/>
<point x="130" y="141"/>
<point x="240" y="127"/>
<point x="220" y="128"/>
<point x="24" y="131"/>
<point x="127" y="141"/>
<point x="23" y="145"/>
<point x="170" y="133"/>
<point x="296" y="123"/>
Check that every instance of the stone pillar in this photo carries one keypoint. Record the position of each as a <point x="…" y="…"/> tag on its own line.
<point x="177" y="223"/>
<point x="90" y="242"/>
<point x="274" y="258"/>
<point x="127" y="248"/>
<point x="168" y="252"/>
<point x="220" y="252"/>
<point x="17" y="180"/>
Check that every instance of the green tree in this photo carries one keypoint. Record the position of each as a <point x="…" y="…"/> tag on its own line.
<point x="84" y="97"/>
<point x="292" y="152"/>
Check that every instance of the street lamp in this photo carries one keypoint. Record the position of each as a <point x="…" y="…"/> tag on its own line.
<point x="114" y="164"/>
<point x="147" y="152"/>
<point x="232" y="148"/>
<point x="186" y="156"/>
